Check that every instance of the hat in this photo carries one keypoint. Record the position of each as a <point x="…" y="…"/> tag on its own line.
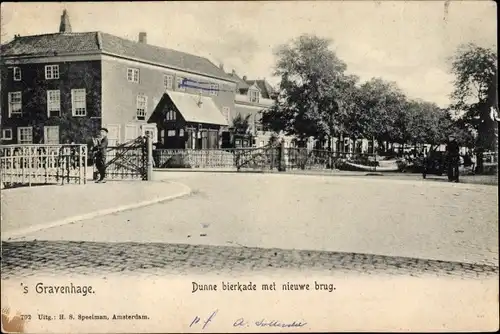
<point x="104" y="129"/>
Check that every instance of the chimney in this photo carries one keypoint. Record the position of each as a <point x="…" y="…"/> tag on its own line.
<point x="143" y="37"/>
<point x="65" y="26"/>
<point x="244" y="78"/>
<point x="233" y="72"/>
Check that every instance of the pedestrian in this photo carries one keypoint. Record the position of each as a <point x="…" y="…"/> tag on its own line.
<point x="100" y="155"/>
<point x="453" y="153"/>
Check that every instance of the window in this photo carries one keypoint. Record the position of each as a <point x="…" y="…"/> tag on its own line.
<point x="51" y="72"/>
<point x="79" y="102"/>
<point x="25" y="135"/>
<point x="171" y="133"/>
<point x="142" y="101"/>
<point x="254" y="96"/>
<point x="180" y="84"/>
<point x="168" y="81"/>
<point x="214" y="89"/>
<point x="133" y="75"/>
<point x="15" y="103"/>
<point x="53" y="103"/>
<point x="170" y="115"/>
<point x="181" y="133"/>
<point x="225" y="113"/>
<point x="17" y="73"/>
<point x="7" y="134"/>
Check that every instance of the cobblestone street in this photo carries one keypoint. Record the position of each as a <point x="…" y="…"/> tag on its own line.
<point x="253" y="223"/>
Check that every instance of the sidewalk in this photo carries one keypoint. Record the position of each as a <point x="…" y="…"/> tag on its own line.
<point x="28" y="209"/>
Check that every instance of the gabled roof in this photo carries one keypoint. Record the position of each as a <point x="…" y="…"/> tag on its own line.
<point x="191" y="110"/>
<point x="59" y="43"/>
<point x="266" y="89"/>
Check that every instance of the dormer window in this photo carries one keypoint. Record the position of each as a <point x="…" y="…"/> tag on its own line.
<point x="254" y="96"/>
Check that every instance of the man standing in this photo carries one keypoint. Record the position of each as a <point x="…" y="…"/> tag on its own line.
<point x="453" y="152"/>
<point x="100" y="155"/>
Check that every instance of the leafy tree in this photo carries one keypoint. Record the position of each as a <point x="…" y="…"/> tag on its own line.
<point x="241" y="124"/>
<point x="475" y="70"/>
<point x="311" y="76"/>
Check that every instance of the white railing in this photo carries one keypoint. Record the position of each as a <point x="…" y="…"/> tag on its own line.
<point x="43" y="164"/>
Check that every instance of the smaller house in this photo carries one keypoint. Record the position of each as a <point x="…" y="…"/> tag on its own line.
<point x="188" y="121"/>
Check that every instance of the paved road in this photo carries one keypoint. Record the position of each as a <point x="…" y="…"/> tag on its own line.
<point x="305" y="222"/>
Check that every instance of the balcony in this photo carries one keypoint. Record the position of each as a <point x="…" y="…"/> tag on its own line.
<point x="246" y="100"/>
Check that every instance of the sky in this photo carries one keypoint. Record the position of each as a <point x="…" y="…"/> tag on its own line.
<point x="409" y="42"/>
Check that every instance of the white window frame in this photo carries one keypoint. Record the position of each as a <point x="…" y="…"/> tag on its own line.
<point x="20" y="130"/>
<point x="46" y="130"/>
<point x="214" y="89"/>
<point x="133" y="75"/>
<point x="168" y="81"/>
<point x="51" y="72"/>
<point x="171" y="133"/>
<point x="53" y="102"/>
<point x="4" y="134"/>
<point x="178" y="86"/>
<point x="257" y="96"/>
<point x="226" y="112"/>
<point x="78" y="102"/>
<point x="150" y="128"/>
<point x="16" y="70"/>
<point x="141" y="106"/>
<point x="11" y="104"/>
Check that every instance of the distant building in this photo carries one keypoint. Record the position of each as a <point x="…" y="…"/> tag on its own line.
<point x="63" y="86"/>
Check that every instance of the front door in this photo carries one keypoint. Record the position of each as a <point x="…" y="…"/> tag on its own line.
<point x="51" y="134"/>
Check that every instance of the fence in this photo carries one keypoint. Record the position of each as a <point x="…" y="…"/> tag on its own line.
<point x="268" y="157"/>
<point x="43" y="164"/>
<point x="128" y="161"/>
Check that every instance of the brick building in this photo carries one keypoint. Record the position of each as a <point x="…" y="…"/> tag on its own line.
<point x="62" y="87"/>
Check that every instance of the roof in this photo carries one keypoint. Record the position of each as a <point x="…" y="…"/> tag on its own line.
<point x="207" y="112"/>
<point x="240" y="83"/>
<point x="51" y="44"/>
<point x="265" y="88"/>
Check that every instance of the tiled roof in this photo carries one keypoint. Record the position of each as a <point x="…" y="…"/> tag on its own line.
<point x="265" y="88"/>
<point x="167" y="57"/>
<point x="50" y="44"/>
<point x="240" y="83"/>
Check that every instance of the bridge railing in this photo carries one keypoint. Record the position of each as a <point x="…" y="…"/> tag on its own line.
<point x="27" y="164"/>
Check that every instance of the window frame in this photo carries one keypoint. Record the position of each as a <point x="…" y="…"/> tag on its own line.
<point x="179" y="87"/>
<point x="141" y="112"/>
<point x="168" y="81"/>
<point x="53" y="73"/>
<point x="135" y="75"/>
<point x="226" y="116"/>
<point x="53" y="103"/>
<point x="74" y="102"/>
<point x="257" y="95"/>
<point x="214" y="89"/>
<point x="10" y="103"/>
<point x="14" y="69"/>
<point x="19" y="131"/>
<point x="4" y="131"/>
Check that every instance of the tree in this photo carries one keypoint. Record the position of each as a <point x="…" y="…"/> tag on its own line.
<point x="311" y="76"/>
<point x="475" y="70"/>
<point x="241" y="124"/>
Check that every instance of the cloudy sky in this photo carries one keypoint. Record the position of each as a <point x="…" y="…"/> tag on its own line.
<point x="404" y="41"/>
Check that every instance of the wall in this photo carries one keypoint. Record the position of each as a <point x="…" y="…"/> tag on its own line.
<point x="119" y="95"/>
<point x="34" y="86"/>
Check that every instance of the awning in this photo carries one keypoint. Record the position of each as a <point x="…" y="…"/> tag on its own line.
<point x="193" y="111"/>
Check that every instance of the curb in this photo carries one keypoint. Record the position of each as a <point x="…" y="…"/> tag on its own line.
<point x="7" y="236"/>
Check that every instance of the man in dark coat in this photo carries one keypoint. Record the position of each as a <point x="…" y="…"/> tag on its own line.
<point x="100" y="155"/>
<point x="453" y="155"/>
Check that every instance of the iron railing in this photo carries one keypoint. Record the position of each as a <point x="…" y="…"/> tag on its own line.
<point x="27" y="164"/>
<point x="127" y="161"/>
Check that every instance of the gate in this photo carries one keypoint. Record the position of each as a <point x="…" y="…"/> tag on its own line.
<point x="130" y="161"/>
<point x="267" y="157"/>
